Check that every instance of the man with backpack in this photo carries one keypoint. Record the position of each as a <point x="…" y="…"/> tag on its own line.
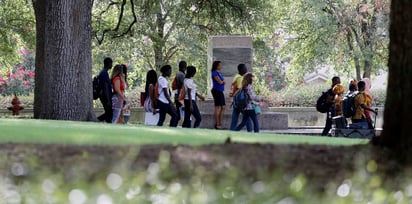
<point x="105" y="92"/>
<point x="237" y="85"/>
<point x="330" y="108"/>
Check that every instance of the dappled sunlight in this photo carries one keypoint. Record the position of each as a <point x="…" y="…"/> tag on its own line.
<point x="295" y="139"/>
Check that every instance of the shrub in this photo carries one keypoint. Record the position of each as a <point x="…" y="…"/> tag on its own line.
<point x="302" y="95"/>
<point x="20" y="79"/>
<point x="306" y="96"/>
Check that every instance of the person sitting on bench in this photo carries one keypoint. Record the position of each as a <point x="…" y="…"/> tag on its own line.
<point x="359" y="119"/>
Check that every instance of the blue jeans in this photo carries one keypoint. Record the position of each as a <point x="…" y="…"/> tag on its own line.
<point x="117" y="106"/>
<point x="235" y="117"/>
<point x="196" y="114"/>
<point x="246" y="115"/>
<point x="163" y="109"/>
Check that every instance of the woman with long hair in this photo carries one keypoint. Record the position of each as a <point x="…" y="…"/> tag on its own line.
<point x="217" y="93"/>
<point x="118" y="99"/>
<point x="249" y="111"/>
<point x="150" y="101"/>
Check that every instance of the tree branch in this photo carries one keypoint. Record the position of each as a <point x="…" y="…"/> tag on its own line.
<point x="170" y="53"/>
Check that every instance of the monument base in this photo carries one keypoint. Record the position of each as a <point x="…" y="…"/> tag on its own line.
<point x="267" y="120"/>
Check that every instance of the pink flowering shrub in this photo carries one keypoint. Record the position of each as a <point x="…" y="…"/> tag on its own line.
<point x="19" y="79"/>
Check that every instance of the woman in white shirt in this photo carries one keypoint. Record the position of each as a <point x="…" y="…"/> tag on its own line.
<point x="164" y="103"/>
<point x="191" y="107"/>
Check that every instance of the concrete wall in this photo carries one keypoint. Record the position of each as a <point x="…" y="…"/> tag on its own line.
<point x="308" y="116"/>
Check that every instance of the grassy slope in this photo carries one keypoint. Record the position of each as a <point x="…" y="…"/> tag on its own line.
<point x="87" y="133"/>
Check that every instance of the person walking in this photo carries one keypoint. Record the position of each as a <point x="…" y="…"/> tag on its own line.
<point x="125" y="115"/>
<point x="217" y="93"/>
<point x="164" y="103"/>
<point x="249" y="111"/>
<point x="105" y="95"/>
<point x="369" y="100"/>
<point x="180" y="77"/>
<point x="191" y="107"/>
<point x="338" y="90"/>
<point x="237" y="85"/>
<point x="353" y="87"/>
<point x="331" y="112"/>
<point x="118" y="99"/>
<point x="150" y="101"/>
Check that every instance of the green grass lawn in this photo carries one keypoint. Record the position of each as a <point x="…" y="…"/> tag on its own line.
<point x="88" y="133"/>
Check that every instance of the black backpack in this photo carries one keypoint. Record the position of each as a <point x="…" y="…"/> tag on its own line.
<point x="241" y="99"/>
<point x="348" y="105"/>
<point x="96" y="88"/>
<point x="322" y="104"/>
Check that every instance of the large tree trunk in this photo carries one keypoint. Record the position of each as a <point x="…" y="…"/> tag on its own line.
<point x="367" y="66"/>
<point x="158" y="42"/>
<point x="355" y="57"/>
<point x="63" y="60"/>
<point x="397" y="132"/>
<point x="40" y="11"/>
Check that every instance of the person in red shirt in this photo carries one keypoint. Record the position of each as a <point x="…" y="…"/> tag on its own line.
<point x="118" y="99"/>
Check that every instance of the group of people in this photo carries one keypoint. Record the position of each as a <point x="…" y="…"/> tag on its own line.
<point x="242" y="81"/>
<point x="158" y="95"/>
<point x="362" y="101"/>
<point x="112" y="92"/>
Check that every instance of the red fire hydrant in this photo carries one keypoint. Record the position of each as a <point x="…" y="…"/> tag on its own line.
<point x="15" y="105"/>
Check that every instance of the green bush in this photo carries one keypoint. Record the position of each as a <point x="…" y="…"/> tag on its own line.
<point x="301" y="96"/>
<point x="306" y="96"/>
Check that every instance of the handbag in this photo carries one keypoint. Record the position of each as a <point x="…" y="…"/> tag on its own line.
<point x="257" y="109"/>
<point x="148" y="105"/>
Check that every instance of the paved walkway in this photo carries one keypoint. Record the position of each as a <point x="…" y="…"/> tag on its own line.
<point x="305" y="130"/>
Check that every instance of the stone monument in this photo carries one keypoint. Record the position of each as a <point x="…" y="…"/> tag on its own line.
<point x="232" y="50"/>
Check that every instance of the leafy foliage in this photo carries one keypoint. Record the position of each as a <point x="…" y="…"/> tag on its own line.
<point x="20" y="79"/>
<point x="17" y="30"/>
<point x="291" y="38"/>
<point x="306" y="96"/>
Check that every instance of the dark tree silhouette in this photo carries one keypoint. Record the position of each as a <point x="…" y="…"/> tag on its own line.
<point x="397" y="133"/>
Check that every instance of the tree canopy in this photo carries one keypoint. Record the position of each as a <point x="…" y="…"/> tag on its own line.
<point x="291" y="38"/>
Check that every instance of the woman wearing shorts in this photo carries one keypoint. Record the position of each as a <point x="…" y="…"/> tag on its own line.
<point x="217" y="93"/>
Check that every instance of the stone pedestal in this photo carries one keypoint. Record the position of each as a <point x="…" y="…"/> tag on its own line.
<point x="231" y="51"/>
<point x="267" y="120"/>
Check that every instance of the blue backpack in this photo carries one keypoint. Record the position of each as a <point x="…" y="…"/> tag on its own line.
<point x="241" y="99"/>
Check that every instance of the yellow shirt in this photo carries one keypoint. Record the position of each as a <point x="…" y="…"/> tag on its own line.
<point x="236" y="84"/>
<point x="359" y="100"/>
<point x="238" y="79"/>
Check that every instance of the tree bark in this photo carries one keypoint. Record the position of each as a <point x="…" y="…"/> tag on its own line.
<point x="63" y="60"/>
<point x="40" y="11"/>
<point x="158" y="41"/>
<point x="397" y="133"/>
<point x="355" y="57"/>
